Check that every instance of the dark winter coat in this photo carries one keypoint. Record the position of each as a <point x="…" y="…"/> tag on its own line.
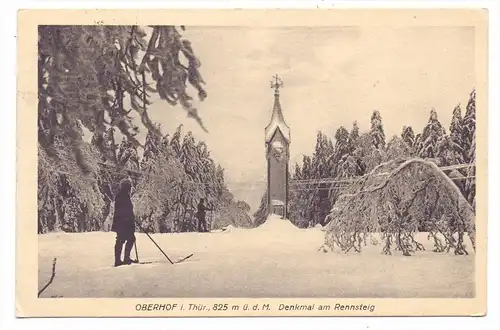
<point x="201" y="211"/>
<point x="123" y="219"/>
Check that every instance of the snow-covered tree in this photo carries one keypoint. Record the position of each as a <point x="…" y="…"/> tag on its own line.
<point x="377" y="130"/>
<point x="432" y="133"/>
<point x="469" y="146"/>
<point x="344" y="165"/>
<point x="234" y="213"/>
<point x="260" y="215"/>
<point x="448" y="151"/>
<point x="159" y="187"/>
<point x="469" y="128"/>
<point x="322" y="154"/>
<point x="348" y="167"/>
<point x="342" y="147"/>
<point x="307" y="170"/>
<point x="128" y="156"/>
<point x="320" y="168"/>
<point x="456" y="126"/>
<point x="353" y="137"/>
<point x="180" y="172"/>
<point x="152" y="147"/>
<point x="408" y="136"/>
<point x="454" y="142"/>
<point x="367" y="154"/>
<point x="418" y="144"/>
<point x="395" y="200"/>
<point x="398" y="148"/>
<point x="301" y="208"/>
<point x="67" y="200"/>
<point x="297" y="173"/>
<point x="175" y="141"/>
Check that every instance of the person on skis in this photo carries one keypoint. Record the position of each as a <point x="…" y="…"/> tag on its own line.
<point x="124" y="223"/>
<point x="202" y="224"/>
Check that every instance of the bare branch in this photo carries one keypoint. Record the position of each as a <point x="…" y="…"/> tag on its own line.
<point x="51" y="277"/>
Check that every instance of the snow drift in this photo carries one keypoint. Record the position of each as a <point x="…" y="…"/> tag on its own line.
<point x="274" y="223"/>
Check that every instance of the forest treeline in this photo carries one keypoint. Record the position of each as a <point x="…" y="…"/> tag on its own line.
<point x="351" y="153"/>
<point x="96" y="79"/>
<point x="169" y="179"/>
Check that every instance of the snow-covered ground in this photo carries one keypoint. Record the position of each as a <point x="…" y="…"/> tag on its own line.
<point x="274" y="260"/>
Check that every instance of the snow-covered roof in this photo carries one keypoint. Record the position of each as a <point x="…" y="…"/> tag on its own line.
<point x="277" y="121"/>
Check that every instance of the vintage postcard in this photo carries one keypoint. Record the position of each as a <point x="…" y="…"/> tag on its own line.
<point x="176" y="163"/>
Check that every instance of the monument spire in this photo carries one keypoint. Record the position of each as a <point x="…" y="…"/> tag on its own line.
<point x="277" y="119"/>
<point x="276" y="83"/>
<point x="277" y="156"/>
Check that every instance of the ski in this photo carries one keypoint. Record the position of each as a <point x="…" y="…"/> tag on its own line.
<point x="149" y="262"/>
<point x="185" y="258"/>
<point x="174" y="262"/>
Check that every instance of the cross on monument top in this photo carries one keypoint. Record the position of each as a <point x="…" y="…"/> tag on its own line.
<point x="276" y="83"/>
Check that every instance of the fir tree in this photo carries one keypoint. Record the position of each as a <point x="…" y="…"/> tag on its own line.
<point x="321" y="166"/>
<point x="377" y="130"/>
<point x="408" y="136"/>
<point x="127" y="155"/>
<point x="353" y="137"/>
<point x="151" y="147"/>
<point x="297" y="174"/>
<point x="260" y="215"/>
<point x="456" y="137"/>
<point x="432" y="133"/>
<point x="417" y="146"/>
<point x="398" y="148"/>
<point x="456" y="125"/>
<point x="175" y="142"/>
<point x="469" y="128"/>
<point x="367" y="155"/>
<point x="321" y="156"/>
<point x="469" y="141"/>
<point x="300" y="196"/>
<point x="342" y="146"/>
<point x="449" y="152"/>
<point x="348" y="167"/>
<point x="307" y="171"/>
<point x="343" y="166"/>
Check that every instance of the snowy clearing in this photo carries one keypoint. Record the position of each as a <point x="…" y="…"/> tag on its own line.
<point x="273" y="260"/>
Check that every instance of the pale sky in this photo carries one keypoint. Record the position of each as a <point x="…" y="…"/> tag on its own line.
<point x="332" y="76"/>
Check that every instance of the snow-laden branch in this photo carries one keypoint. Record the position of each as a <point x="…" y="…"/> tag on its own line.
<point x="403" y="203"/>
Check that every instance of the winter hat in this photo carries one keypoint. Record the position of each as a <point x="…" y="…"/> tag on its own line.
<point x="126" y="184"/>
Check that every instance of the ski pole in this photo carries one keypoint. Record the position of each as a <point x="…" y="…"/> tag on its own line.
<point x="152" y="240"/>
<point x="159" y="248"/>
<point x="136" y="254"/>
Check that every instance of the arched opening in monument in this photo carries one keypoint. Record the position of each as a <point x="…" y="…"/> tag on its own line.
<point x="278" y="208"/>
